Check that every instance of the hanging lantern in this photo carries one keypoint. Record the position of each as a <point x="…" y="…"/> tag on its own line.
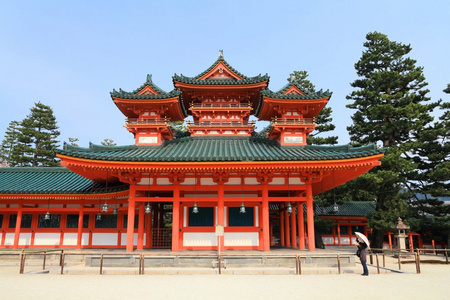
<point x="242" y="209"/>
<point x="99" y="217"/>
<point x="105" y="207"/>
<point x="289" y="208"/>
<point x="147" y="208"/>
<point x="115" y="211"/>
<point x="47" y="216"/>
<point x="335" y="207"/>
<point x="195" y="209"/>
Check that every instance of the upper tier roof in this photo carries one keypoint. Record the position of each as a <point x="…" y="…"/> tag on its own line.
<point x="316" y="100"/>
<point x="233" y="77"/>
<point x="58" y="180"/>
<point x="148" y="94"/>
<point x="216" y="149"/>
<point x="225" y="81"/>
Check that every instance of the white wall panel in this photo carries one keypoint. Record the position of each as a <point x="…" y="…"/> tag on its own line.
<point x="241" y="239"/>
<point x="199" y="239"/>
<point x="47" y="238"/>
<point x="104" y="239"/>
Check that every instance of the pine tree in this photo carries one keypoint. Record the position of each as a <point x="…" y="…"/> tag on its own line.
<point x="108" y="142"/>
<point x="37" y="138"/>
<point x="323" y="119"/>
<point x="390" y="103"/>
<point x="8" y="143"/>
<point x="432" y="178"/>
<point x="73" y="141"/>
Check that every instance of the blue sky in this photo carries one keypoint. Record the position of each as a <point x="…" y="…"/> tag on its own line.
<point x="71" y="54"/>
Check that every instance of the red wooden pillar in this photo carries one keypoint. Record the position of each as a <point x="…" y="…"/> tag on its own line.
<point x="221" y="213"/>
<point x="286" y="228"/>
<point x="18" y="224"/>
<point x="281" y="226"/>
<point x="148" y="221"/>
<point x="131" y="214"/>
<point x="176" y="219"/>
<point x="301" y="226"/>
<point x="80" y="225"/>
<point x="310" y="217"/>
<point x="140" y="241"/>
<point x="293" y="228"/>
<point x="265" y="217"/>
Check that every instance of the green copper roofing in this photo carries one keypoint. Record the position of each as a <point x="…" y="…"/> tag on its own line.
<point x="162" y="94"/>
<point x="127" y="95"/>
<point x="308" y="96"/>
<point x="225" y="81"/>
<point x="279" y="95"/>
<point x="216" y="149"/>
<point x="348" y="209"/>
<point x="58" y="180"/>
<point x="220" y="59"/>
<point x="288" y="86"/>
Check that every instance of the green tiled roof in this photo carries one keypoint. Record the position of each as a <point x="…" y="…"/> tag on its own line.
<point x="58" y="180"/>
<point x="220" y="59"/>
<point x="351" y="208"/>
<point x="288" y="86"/>
<point x="347" y="209"/>
<point x="127" y="95"/>
<point x="308" y="96"/>
<point x="206" y="149"/>
<point x="162" y="94"/>
<point x="150" y="83"/>
<point x="279" y="95"/>
<point x="225" y="81"/>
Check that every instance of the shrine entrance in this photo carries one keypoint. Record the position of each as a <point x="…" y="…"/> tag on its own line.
<point x="161" y="225"/>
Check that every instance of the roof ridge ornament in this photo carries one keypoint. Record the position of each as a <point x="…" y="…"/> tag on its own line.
<point x="149" y="78"/>
<point x="220" y="54"/>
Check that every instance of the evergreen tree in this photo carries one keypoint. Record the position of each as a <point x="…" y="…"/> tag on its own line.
<point x="390" y="103"/>
<point x="323" y="119"/>
<point x="108" y="142"/>
<point x="36" y="139"/>
<point x="73" y="141"/>
<point x="432" y="178"/>
<point x="8" y="143"/>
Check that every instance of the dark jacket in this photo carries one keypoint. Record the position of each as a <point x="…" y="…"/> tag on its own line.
<point x="362" y="255"/>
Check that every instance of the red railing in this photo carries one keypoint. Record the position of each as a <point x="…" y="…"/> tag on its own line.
<point x="221" y="106"/>
<point x="220" y="123"/>
<point x="140" y="121"/>
<point x="303" y="121"/>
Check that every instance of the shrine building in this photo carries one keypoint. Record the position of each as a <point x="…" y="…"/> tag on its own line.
<point x="201" y="188"/>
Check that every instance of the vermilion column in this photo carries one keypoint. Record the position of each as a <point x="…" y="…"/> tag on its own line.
<point x="176" y="219"/>
<point x="131" y="214"/>
<point x="281" y="227"/>
<point x="140" y="241"/>
<point x="80" y="225"/>
<point x="310" y="217"/>
<point x="265" y="217"/>
<point x="293" y="228"/>
<point x="221" y="212"/>
<point x="301" y="226"/>
<point x="148" y="221"/>
<point x="18" y="224"/>
<point x="286" y="228"/>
